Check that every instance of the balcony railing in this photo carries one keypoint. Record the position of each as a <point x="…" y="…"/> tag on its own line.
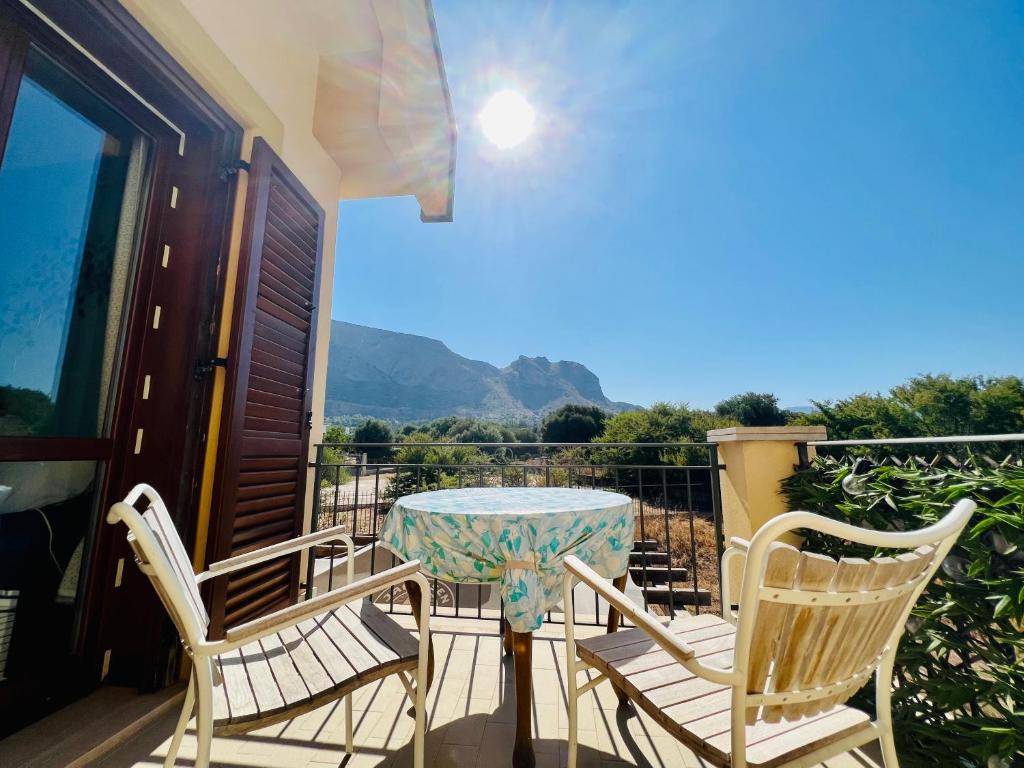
<point x="674" y="487"/>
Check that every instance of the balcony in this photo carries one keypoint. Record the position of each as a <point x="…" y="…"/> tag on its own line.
<point x="471" y="715"/>
<point x="471" y="706"/>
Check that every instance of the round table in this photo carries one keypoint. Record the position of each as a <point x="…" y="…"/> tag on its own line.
<point x="518" y="537"/>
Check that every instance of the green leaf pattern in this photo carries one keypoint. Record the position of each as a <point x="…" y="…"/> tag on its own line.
<point x="467" y="535"/>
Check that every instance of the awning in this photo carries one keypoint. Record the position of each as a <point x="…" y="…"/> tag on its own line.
<point x="383" y="112"/>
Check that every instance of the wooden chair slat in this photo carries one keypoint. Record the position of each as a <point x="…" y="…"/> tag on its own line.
<point x="261" y="679"/>
<point x="337" y="666"/>
<point x="220" y="699"/>
<point x="398" y="638"/>
<point x="643" y="644"/>
<point x="780" y="570"/>
<point x="852" y="574"/>
<point x="774" y="744"/>
<point x="814" y="574"/>
<point x="905" y="567"/>
<point x="351" y="644"/>
<point x="312" y="671"/>
<point x="652" y="656"/>
<point x="691" y="626"/>
<point x="236" y="687"/>
<point x="291" y="683"/>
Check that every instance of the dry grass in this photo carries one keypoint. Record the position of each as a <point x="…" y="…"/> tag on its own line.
<point x="682" y="547"/>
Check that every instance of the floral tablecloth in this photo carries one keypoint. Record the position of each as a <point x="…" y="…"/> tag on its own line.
<point x="515" y="536"/>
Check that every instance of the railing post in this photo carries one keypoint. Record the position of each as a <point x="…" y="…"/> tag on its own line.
<point x="802" y="457"/>
<point x="749" y="486"/>
<point x="716" y="503"/>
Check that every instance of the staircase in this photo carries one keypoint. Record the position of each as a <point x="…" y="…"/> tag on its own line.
<point x="650" y="569"/>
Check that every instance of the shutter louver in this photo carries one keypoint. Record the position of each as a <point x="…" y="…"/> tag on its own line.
<point x="265" y="448"/>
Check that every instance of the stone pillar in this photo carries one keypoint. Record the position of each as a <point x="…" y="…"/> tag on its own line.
<point x="757" y="460"/>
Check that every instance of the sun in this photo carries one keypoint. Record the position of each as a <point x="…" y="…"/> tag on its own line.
<point x="507" y="119"/>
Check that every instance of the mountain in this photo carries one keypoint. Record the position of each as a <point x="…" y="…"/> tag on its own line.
<point x="371" y="372"/>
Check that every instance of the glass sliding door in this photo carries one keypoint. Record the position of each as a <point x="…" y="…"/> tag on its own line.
<point x="73" y="180"/>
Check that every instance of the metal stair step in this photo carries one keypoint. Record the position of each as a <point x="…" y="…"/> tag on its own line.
<point x="651" y="558"/>
<point x="646" y="545"/>
<point x="658" y="574"/>
<point x="678" y="597"/>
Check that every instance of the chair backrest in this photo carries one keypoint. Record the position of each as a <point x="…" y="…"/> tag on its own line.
<point x="163" y="558"/>
<point x="812" y="630"/>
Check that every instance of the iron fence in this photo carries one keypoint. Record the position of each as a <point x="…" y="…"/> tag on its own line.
<point x="674" y="486"/>
<point x="953" y="450"/>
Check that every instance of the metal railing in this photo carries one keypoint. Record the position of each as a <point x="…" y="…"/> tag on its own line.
<point x="674" y="486"/>
<point x="951" y="449"/>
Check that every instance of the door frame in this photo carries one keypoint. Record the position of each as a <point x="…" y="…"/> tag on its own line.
<point x="102" y="44"/>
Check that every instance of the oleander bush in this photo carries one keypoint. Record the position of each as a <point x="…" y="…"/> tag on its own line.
<point x="959" y="677"/>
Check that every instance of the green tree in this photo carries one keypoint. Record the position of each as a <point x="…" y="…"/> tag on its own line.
<point x="753" y="409"/>
<point x="374" y="431"/>
<point x="930" y="405"/>
<point x="661" y="423"/>
<point x="479" y="432"/>
<point x="573" y="424"/>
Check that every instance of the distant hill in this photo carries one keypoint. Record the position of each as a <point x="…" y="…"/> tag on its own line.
<point x="399" y="376"/>
<point x="801" y="409"/>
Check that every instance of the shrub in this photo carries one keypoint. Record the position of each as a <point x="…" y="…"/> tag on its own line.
<point x="959" y="677"/>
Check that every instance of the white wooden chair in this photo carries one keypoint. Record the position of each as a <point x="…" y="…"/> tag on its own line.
<point x="768" y="686"/>
<point x="285" y="663"/>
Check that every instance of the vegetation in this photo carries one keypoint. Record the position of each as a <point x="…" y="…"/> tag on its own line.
<point x="374" y="431"/>
<point x="931" y="405"/>
<point x="753" y="409"/>
<point x="661" y="423"/>
<point x="573" y="424"/>
<point x="335" y="438"/>
<point x="25" y="412"/>
<point x="960" y="667"/>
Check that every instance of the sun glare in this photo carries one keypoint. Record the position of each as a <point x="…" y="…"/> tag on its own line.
<point x="507" y="119"/>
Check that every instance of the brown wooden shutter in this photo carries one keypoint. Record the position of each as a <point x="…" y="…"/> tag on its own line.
<point x="264" y="433"/>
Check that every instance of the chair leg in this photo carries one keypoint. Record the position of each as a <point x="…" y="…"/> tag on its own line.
<point x="573" y="730"/>
<point x="888" y="745"/>
<point x="349" y="725"/>
<point x="572" y="695"/>
<point x="204" y="712"/>
<point x="183" y="718"/>
<point x="419" y="744"/>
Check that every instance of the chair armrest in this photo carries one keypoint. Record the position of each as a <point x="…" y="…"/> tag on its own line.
<point x="293" y="614"/>
<point x="278" y="550"/>
<point x="737" y="543"/>
<point x="671" y="644"/>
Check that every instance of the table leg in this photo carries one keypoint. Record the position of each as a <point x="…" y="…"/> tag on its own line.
<point x="613" y="624"/>
<point x="522" y="649"/>
<point x="412" y="588"/>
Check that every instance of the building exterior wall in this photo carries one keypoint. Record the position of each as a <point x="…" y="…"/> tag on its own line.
<point x="267" y="81"/>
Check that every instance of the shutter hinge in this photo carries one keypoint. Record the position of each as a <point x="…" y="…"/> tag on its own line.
<point x="231" y="169"/>
<point x="204" y="367"/>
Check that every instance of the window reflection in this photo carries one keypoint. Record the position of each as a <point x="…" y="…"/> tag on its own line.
<point x="70" y="188"/>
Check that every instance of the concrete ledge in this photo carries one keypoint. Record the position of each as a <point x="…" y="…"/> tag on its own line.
<point x="781" y="434"/>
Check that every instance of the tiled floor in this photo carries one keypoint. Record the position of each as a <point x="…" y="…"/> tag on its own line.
<point x="472" y="720"/>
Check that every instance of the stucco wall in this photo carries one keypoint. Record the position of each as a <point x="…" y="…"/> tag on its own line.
<point x="257" y="62"/>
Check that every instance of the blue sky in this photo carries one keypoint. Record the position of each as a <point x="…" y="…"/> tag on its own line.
<point x="805" y="198"/>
